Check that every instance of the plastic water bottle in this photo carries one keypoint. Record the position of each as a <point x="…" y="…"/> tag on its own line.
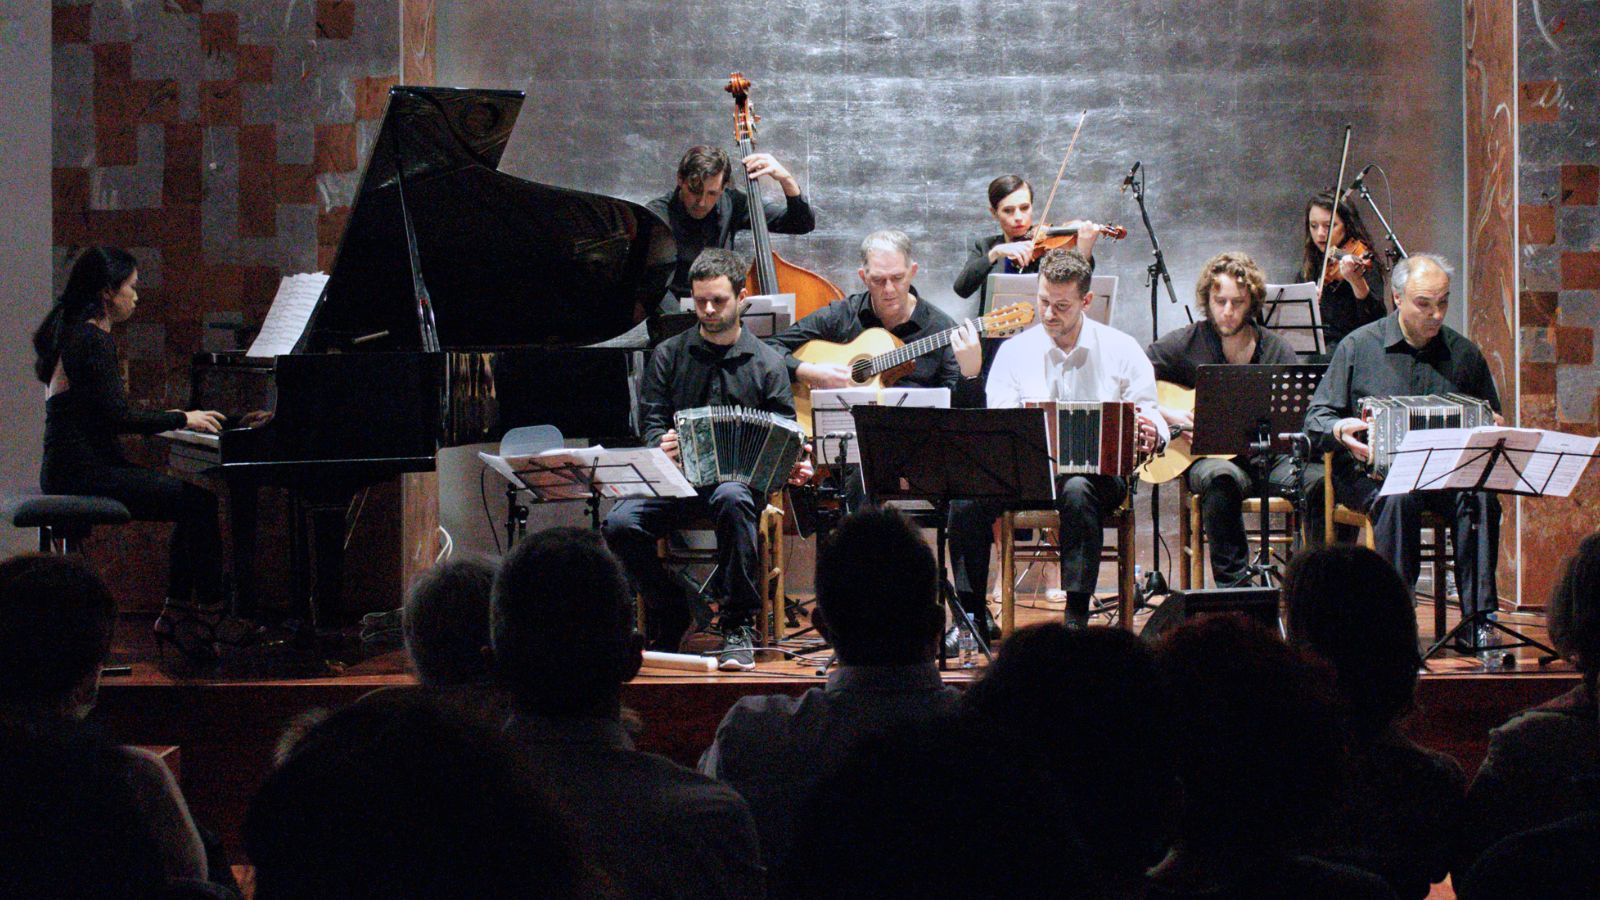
<point x="969" y="645"/>
<point x="1493" y="658"/>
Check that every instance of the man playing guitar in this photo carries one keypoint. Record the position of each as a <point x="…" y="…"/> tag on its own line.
<point x="1228" y="296"/>
<point x="890" y="303"/>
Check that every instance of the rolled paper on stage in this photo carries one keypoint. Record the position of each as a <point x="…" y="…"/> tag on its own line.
<point x="685" y="661"/>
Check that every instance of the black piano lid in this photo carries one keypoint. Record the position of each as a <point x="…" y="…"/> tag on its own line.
<point x="507" y="262"/>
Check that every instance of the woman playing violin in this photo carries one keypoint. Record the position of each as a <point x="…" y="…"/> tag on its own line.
<point x="1012" y="250"/>
<point x="1353" y="293"/>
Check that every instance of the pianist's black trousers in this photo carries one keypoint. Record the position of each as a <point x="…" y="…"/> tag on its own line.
<point x="1083" y="502"/>
<point x="1474" y="518"/>
<point x="194" y="556"/>
<point x="632" y="528"/>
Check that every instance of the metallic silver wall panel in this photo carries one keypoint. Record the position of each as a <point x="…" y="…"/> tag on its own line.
<point x="899" y="112"/>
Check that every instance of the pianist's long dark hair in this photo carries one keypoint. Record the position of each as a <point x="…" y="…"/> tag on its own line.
<point x="97" y="270"/>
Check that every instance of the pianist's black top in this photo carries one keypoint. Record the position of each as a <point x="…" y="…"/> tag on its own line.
<point x="81" y="423"/>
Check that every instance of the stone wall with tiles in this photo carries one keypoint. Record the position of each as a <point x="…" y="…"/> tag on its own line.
<point x="220" y="141"/>
<point x="1558" y="171"/>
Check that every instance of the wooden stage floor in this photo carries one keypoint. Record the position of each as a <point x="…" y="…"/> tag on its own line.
<point x="226" y="722"/>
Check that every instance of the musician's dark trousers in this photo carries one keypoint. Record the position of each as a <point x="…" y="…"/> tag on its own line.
<point x="1474" y="518"/>
<point x="194" y="555"/>
<point x="1083" y="502"/>
<point x="633" y="526"/>
<point x="1223" y="485"/>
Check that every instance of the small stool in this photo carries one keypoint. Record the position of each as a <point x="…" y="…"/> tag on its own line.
<point x="66" y="516"/>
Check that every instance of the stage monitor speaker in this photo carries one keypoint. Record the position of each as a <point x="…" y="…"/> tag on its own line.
<point x="1259" y="604"/>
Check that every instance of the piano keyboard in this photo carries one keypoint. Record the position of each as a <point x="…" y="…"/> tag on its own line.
<point x="190" y="436"/>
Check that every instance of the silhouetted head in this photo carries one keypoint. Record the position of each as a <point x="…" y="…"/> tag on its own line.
<point x="56" y="620"/>
<point x="562" y="625"/>
<point x="405" y="795"/>
<point x="446" y="620"/>
<point x="1349" y="606"/>
<point x="878" y="591"/>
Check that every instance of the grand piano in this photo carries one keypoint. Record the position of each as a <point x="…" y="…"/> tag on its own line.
<point x="462" y="302"/>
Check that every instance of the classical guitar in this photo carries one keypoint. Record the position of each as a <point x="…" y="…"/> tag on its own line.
<point x="877" y="358"/>
<point x="1175" y="459"/>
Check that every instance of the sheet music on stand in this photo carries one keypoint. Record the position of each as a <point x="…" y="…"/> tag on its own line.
<point x="831" y="414"/>
<point x="1289" y="298"/>
<point x="586" y="473"/>
<point x="287" y="317"/>
<point x="1527" y="461"/>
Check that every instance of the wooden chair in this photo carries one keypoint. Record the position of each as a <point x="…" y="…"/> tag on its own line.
<point x="1192" y="538"/>
<point x="1119" y="551"/>
<point x="770" y="625"/>
<point x="1435" y="551"/>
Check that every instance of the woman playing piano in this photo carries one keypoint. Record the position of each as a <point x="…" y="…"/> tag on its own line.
<point x="1010" y="251"/>
<point x="86" y="408"/>
<point x="1353" y="294"/>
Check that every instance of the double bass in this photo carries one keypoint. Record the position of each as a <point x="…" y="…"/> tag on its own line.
<point x="769" y="272"/>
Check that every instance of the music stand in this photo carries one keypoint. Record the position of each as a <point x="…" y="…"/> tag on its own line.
<point x="939" y="455"/>
<point x="1494" y="462"/>
<point x="588" y="475"/>
<point x="1248" y="410"/>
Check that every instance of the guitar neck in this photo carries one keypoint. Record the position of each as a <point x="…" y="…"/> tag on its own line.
<point x="919" y="347"/>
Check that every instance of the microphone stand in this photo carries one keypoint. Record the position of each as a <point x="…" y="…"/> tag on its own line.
<point x="1395" y="251"/>
<point x="1157" y="275"/>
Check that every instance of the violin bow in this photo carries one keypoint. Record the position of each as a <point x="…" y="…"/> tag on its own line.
<point x="1338" y="197"/>
<point x="1045" y="216"/>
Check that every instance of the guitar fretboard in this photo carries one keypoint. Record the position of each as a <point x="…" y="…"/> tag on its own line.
<point x="904" y="354"/>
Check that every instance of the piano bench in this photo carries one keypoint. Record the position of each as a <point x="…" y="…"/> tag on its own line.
<point x="67" y="517"/>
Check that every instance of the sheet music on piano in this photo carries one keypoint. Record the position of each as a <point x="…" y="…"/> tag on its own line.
<point x="288" y="316"/>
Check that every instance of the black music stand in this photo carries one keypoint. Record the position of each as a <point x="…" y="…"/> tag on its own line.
<point x="1491" y="459"/>
<point x="1248" y="410"/>
<point x="939" y="455"/>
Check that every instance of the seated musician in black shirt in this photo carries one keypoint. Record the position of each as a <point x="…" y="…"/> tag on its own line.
<point x="704" y="213"/>
<point x="891" y="303"/>
<point x="1228" y="296"/>
<point x="716" y="364"/>
<point x="1410" y="352"/>
<point x="87" y="408"/>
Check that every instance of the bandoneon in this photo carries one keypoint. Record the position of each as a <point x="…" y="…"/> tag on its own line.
<point x="732" y="443"/>
<point x="1090" y="437"/>
<point x="1389" y="419"/>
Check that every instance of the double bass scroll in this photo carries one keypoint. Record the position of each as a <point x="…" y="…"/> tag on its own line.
<point x="769" y="272"/>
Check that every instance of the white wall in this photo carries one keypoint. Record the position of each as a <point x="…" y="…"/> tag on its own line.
<point x="24" y="243"/>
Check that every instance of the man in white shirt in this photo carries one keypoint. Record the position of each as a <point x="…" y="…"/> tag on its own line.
<point x="1068" y="356"/>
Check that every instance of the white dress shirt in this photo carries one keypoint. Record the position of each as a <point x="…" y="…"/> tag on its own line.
<point x="1104" y="365"/>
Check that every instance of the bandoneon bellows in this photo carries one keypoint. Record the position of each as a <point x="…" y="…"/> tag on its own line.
<point x="1090" y="437"/>
<point x="1389" y="419"/>
<point x="732" y="443"/>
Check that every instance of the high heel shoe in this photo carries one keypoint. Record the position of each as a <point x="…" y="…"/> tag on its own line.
<point x="191" y="636"/>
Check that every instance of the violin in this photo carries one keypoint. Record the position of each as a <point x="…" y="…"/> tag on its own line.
<point x="1354" y="248"/>
<point x="1046" y="238"/>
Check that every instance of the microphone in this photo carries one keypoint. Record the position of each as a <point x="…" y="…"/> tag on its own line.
<point x="1128" y="181"/>
<point x="1361" y="178"/>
